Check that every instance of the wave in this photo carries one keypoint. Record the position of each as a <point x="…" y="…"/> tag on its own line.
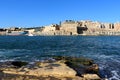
<point x="6" y="60"/>
<point x="115" y="75"/>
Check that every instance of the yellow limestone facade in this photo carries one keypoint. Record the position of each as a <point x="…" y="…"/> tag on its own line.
<point x="70" y="27"/>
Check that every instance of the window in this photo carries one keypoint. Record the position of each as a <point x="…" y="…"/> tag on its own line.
<point x="102" y="26"/>
<point x="112" y="26"/>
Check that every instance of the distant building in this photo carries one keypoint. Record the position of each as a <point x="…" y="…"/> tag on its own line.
<point x="69" y="27"/>
<point x="2" y="31"/>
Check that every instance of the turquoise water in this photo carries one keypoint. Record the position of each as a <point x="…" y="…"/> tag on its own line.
<point x="104" y="50"/>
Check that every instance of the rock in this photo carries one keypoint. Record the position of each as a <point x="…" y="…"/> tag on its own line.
<point x="80" y="65"/>
<point x="91" y="77"/>
<point x="92" y="69"/>
<point x="54" y="69"/>
<point x="38" y="64"/>
<point x="57" y="69"/>
<point x="19" y="64"/>
<point x="59" y="58"/>
<point x="81" y="60"/>
<point x="62" y="68"/>
<point x="78" y="68"/>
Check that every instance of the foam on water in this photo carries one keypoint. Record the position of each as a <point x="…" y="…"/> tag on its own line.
<point x="7" y="60"/>
<point x="115" y="75"/>
<point x="104" y="50"/>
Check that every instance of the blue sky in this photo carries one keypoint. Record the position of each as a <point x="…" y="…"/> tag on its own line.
<point x="29" y="13"/>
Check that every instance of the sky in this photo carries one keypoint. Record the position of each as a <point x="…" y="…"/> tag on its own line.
<point x="35" y="13"/>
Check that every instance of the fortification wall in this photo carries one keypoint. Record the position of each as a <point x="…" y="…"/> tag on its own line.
<point x="70" y="27"/>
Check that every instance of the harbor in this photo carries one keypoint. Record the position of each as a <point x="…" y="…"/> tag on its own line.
<point x="67" y="27"/>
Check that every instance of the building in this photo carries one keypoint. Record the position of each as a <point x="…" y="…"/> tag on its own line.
<point x="70" y="27"/>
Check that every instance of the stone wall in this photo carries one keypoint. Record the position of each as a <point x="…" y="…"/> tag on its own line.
<point x="70" y="27"/>
<point x="31" y="31"/>
<point x="3" y="33"/>
<point x="117" y="26"/>
<point x="97" y="28"/>
<point x="48" y="30"/>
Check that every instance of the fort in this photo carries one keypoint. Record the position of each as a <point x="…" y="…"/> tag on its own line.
<point x="68" y="27"/>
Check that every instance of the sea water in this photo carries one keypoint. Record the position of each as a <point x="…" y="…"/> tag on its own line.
<point x="104" y="50"/>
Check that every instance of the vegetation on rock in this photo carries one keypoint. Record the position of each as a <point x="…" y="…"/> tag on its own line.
<point x="80" y="65"/>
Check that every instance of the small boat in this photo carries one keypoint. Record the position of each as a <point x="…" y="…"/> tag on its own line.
<point x="16" y="33"/>
<point x="30" y="34"/>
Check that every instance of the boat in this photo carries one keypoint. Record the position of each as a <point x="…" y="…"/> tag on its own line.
<point x="16" y="33"/>
<point x="30" y="34"/>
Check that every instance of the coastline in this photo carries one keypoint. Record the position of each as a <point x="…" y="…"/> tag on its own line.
<point x="59" y="68"/>
<point x="67" y="27"/>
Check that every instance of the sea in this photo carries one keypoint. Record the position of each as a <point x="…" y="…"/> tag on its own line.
<point x="104" y="50"/>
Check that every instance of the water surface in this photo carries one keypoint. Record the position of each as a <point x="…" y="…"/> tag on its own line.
<point x="104" y="50"/>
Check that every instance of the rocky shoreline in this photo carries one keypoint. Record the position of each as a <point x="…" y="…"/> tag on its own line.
<point x="56" y="68"/>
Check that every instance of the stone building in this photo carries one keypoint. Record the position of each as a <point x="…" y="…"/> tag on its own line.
<point x="70" y="27"/>
<point x="117" y="26"/>
<point x="2" y="31"/>
<point x="49" y="30"/>
<point x="92" y="27"/>
<point x="97" y="28"/>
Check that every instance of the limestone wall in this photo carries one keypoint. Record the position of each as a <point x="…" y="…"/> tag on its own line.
<point x="117" y="26"/>
<point x="48" y="30"/>
<point x="31" y="31"/>
<point x="96" y="28"/>
<point x="69" y="28"/>
<point x="2" y="33"/>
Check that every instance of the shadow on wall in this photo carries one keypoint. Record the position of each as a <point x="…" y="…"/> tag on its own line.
<point x="81" y="29"/>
